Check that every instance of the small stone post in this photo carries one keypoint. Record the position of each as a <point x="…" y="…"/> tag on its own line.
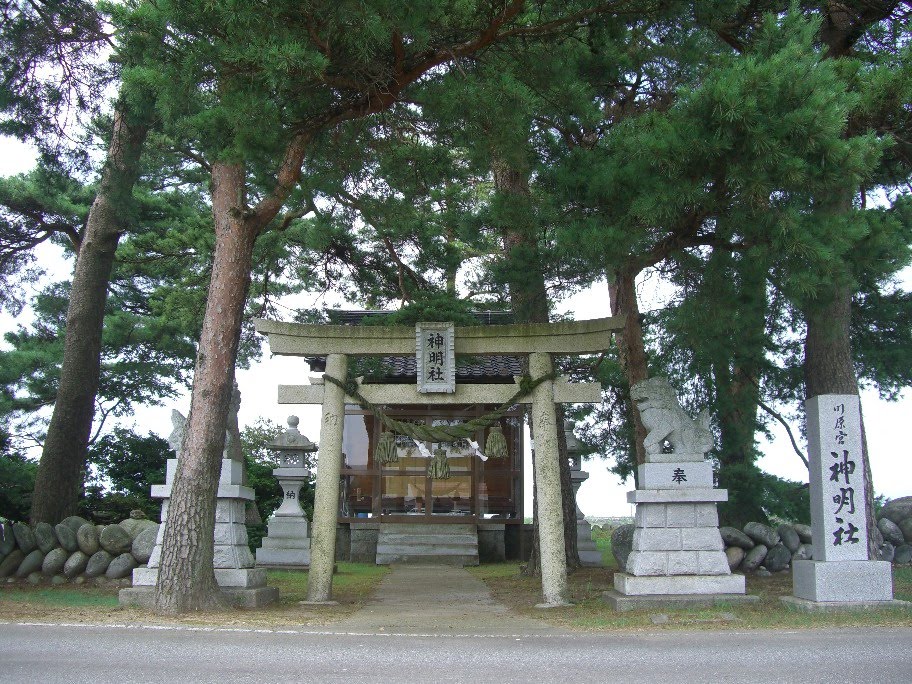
<point x="840" y="574"/>
<point x="287" y="543"/>
<point x="547" y="480"/>
<point x="326" y="497"/>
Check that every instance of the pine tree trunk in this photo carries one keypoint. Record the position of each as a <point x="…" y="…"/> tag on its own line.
<point x="186" y="578"/>
<point x="61" y="470"/>
<point x="631" y="347"/>
<point x="829" y="369"/>
<point x="529" y="302"/>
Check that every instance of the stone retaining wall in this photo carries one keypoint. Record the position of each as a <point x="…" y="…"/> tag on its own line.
<point x="75" y="551"/>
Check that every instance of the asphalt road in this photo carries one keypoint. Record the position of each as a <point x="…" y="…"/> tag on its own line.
<point x="83" y="653"/>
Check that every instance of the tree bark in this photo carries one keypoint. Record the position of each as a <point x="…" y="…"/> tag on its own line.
<point x="622" y="293"/>
<point x="186" y="579"/>
<point x="829" y="369"/>
<point x="529" y="302"/>
<point x="61" y="470"/>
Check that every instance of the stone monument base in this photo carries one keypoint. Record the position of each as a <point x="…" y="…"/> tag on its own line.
<point x="239" y="597"/>
<point x="632" y="585"/>
<point x="675" y="591"/>
<point x="842" y="581"/>
<point x="622" y="603"/>
<point x="840" y="606"/>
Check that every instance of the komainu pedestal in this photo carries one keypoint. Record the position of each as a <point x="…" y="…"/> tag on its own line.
<point x="233" y="562"/>
<point x="677" y="554"/>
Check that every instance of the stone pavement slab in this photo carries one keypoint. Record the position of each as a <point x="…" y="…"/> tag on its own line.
<point x="438" y="599"/>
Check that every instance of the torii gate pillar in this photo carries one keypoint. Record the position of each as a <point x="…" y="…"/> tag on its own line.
<point x="326" y="496"/>
<point x="548" y="486"/>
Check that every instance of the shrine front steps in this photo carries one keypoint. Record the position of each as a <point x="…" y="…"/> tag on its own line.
<point x="439" y="544"/>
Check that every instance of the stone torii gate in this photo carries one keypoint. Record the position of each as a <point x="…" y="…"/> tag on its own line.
<point x="538" y="341"/>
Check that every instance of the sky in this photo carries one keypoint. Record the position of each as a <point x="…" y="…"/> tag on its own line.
<point x="603" y="494"/>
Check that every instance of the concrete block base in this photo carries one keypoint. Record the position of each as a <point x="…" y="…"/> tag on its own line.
<point x="143" y="597"/>
<point x="842" y="581"/>
<point x="678" y="585"/>
<point x="841" y="606"/>
<point x="622" y="603"/>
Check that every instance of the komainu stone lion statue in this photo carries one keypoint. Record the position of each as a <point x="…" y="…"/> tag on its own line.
<point x="664" y="419"/>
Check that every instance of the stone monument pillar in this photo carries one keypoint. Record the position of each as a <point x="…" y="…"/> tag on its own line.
<point x="840" y="576"/>
<point x="677" y="556"/>
<point x="287" y="543"/>
<point x="589" y="554"/>
<point x="233" y="562"/>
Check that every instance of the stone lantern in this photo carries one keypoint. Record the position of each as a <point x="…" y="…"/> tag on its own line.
<point x="287" y="543"/>
<point x="588" y="553"/>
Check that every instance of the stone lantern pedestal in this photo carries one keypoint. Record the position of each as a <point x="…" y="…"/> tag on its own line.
<point x="287" y="544"/>
<point x="589" y="554"/>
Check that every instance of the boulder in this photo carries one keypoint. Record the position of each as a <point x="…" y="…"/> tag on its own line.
<point x="878" y="536"/>
<point x="45" y="537"/>
<point x="98" y="563"/>
<point x="74" y="522"/>
<point x="87" y="538"/>
<point x="54" y="562"/>
<point x="754" y="558"/>
<point x="734" y="555"/>
<point x="138" y="514"/>
<point x="66" y="535"/>
<point x="906" y="527"/>
<point x="121" y="566"/>
<point x="115" y="540"/>
<point x="890" y="531"/>
<point x="804" y="532"/>
<point x="897" y="510"/>
<point x="903" y="554"/>
<point x="621" y="544"/>
<point x="57" y="580"/>
<point x="762" y="534"/>
<point x="76" y="564"/>
<point x="789" y="537"/>
<point x="763" y="572"/>
<point x="135" y="527"/>
<point x="7" y="539"/>
<point x="31" y="563"/>
<point x="11" y="562"/>
<point x="886" y="552"/>
<point x="144" y="543"/>
<point x="25" y="538"/>
<point x="735" y="537"/>
<point x="79" y="580"/>
<point x="777" y="558"/>
<point x="35" y="578"/>
<point x="804" y="552"/>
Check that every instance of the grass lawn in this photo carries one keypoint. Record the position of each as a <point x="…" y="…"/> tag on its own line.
<point x="353" y="584"/>
<point x="590" y="612"/>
